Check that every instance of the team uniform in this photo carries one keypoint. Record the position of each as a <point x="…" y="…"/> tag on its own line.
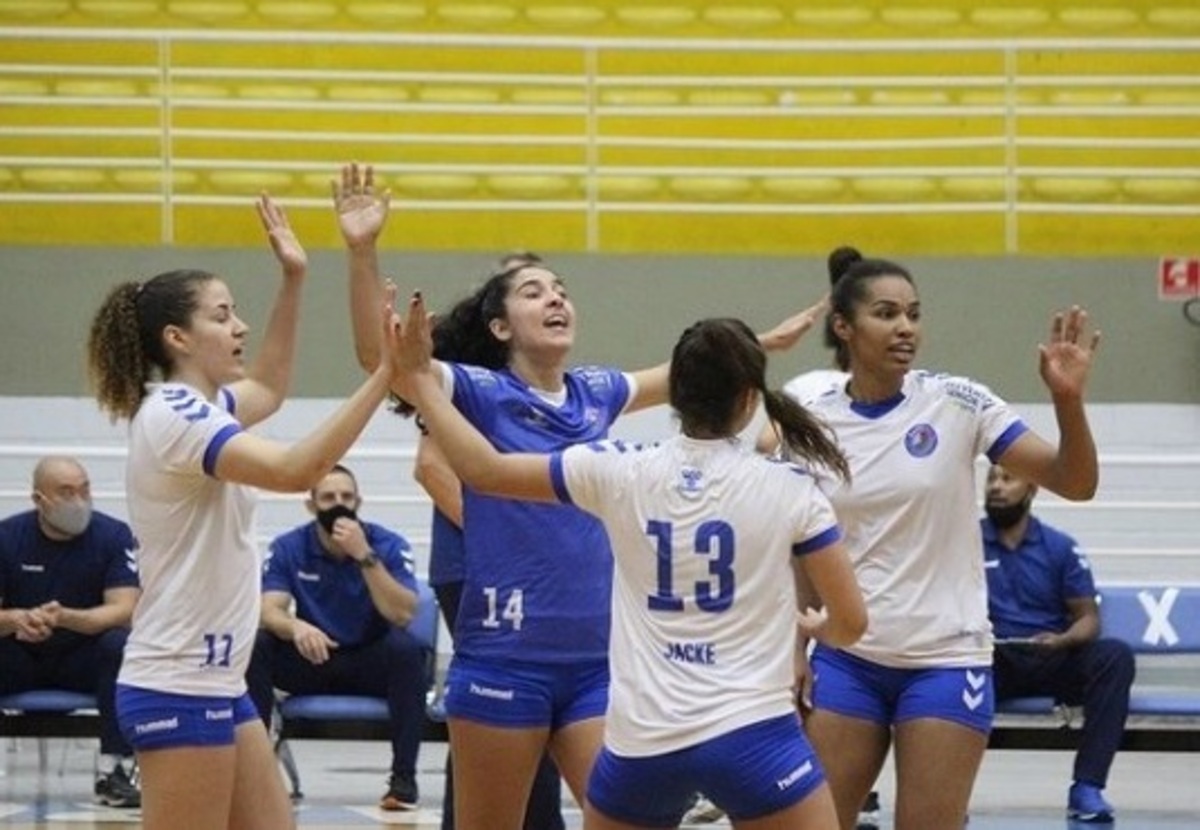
<point x="182" y="682"/>
<point x="908" y="513"/>
<point x="808" y="386"/>
<point x="531" y="638"/>
<point x="704" y="611"/>
<point x="76" y="572"/>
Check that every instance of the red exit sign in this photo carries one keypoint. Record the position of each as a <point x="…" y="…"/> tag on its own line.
<point x="1178" y="278"/>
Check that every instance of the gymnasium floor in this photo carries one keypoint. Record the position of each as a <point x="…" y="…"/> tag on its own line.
<point x="342" y="781"/>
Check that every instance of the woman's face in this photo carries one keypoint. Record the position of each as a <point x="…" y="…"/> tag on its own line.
<point x="885" y="330"/>
<point x="215" y="340"/>
<point x="539" y="315"/>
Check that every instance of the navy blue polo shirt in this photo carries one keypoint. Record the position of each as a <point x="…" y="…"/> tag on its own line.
<point x="35" y="569"/>
<point x="332" y="593"/>
<point x="1028" y="587"/>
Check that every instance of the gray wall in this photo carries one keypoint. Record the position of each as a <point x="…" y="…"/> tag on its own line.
<point x="983" y="317"/>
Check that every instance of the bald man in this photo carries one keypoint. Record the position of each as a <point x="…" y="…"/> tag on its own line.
<point x="68" y="585"/>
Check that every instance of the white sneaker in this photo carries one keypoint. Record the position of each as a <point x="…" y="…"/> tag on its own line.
<point x="703" y="811"/>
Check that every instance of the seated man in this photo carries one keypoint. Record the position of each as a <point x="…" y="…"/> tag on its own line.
<point x="352" y="587"/>
<point x="68" y="585"/>
<point x="1042" y="601"/>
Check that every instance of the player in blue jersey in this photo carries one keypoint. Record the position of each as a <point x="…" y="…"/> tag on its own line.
<point x="531" y="638"/>
<point x="204" y="755"/>
<point x="708" y="540"/>
<point x="921" y="676"/>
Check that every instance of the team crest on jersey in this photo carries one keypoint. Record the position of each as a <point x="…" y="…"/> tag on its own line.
<point x="689" y="481"/>
<point x="921" y="440"/>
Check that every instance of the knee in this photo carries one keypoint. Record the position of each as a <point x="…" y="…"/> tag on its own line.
<point x="1117" y="657"/>
<point x="403" y="649"/>
<point x="111" y="643"/>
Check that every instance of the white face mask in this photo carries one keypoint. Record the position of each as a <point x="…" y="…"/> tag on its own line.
<point x="70" y="518"/>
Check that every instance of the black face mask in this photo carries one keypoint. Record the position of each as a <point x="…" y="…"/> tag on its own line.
<point x="1005" y="516"/>
<point x="326" y="518"/>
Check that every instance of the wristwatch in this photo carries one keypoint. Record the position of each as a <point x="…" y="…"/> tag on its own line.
<point x="369" y="561"/>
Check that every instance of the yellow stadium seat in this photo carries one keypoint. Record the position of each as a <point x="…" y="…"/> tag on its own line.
<point x="730" y="97"/>
<point x="899" y="97"/>
<point x="549" y="96"/>
<point x="62" y="179"/>
<point x="1089" y="97"/>
<point x="656" y="17"/>
<point x="7" y="180"/>
<point x="818" y="97"/>
<point x="250" y="182"/>
<point x="629" y="96"/>
<point x="613" y="188"/>
<point x="367" y="93"/>
<point x="23" y="87"/>
<point x="476" y="15"/>
<point x="297" y="12"/>
<point x="925" y="18"/>
<point x="744" y="16"/>
<point x="316" y="185"/>
<point x="191" y="90"/>
<point x="150" y="179"/>
<point x="1170" y="97"/>
<point x="122" y="10"/>
<point x="811" y="189"/>
<point x="531" y="186"/>
<point x="278" y="92"/>
<point x="975" y="188"/>
<point x="213" y="12"/>
<point x="998" y="97"/>
<point x="1082" y="190"/>
<point x="894" y="188"/>
<point x="711" y="188"/>
<point x="435" y="185"/>
<point x="386" y="15"/>
<point x="448" y="94"/>
<point x="1179" y="19"/>
<point x="1174" y="190"/>
<point x="1010" y="18"/>
<point x="96" y="88"/>
<point x="25" y="11"/>
<point x="565" y="16"/>
<point x="1094" y="18"/>
<point x="845" y="18"/>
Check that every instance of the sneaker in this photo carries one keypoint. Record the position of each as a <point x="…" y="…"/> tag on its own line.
<point x="401" y="794"/>
<point x="703" y="811"/>
<point x="868" y="814"/>
<point x="1085" y="803"/>
<point x="118" y="789"/>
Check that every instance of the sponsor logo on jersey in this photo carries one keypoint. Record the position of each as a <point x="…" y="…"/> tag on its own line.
<point x="690" y="481"/>
<point x="794" y="776"/>
<point x="487" y="691"/>
<point x="164" y="725"/>
<point x="218" y="714"/>
<point x="921" y="440"/>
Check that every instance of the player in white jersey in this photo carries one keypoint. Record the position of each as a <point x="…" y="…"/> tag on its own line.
<point x="205" y="758"/>
<point x="708" y="540"/>
<point x="921" y="675"/>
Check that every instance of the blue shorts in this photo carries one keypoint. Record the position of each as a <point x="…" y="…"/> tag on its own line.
<point x="515" y="695"/>
<point x="160" y="720"/>
<point x="858" y="688"/>
<point x="749" y="773"/>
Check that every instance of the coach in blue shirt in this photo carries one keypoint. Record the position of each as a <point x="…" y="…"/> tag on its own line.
<point x="68" y="585"/>
<point x="337" y="595"/>
<point x="1042" y="603"/>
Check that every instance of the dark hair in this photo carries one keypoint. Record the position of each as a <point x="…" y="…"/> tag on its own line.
<point x="713" y="365"/>
<point x="125" y="343"/>
<point x="849" y="272"/>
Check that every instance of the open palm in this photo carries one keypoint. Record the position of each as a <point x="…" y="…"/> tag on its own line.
<point x="361" y="211"/>
<point x="1066" y="360"/>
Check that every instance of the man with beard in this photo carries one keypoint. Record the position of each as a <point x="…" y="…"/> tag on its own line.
<point x="337" y="595"/>
<point x="1042" y="604"/>
<point x="68" y="585"/>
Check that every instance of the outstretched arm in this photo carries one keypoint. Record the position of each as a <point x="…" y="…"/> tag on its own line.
<point x="1071" y="470"/>
<point x="262" y="391"/>
<point x="474" y="460"/>
<point x="361" y="213"/>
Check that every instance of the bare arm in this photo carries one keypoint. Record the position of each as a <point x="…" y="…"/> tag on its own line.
<point x="115" y="611"/>
<point x="262" y="391"/>
<point x="361" y="214"/>
<point x="394" y="602"/>
<point x="432" y="471"/>
<point x="1071" y="470"/>
<point x="1084" y="627"/>
<point x="844" y="617"/>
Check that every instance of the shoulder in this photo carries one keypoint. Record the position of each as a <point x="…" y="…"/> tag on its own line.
<point x="1053" y="538"/>
<point x="961" y="391"/>
<point x="380" y="535"/>
<point x="292" y="542"/>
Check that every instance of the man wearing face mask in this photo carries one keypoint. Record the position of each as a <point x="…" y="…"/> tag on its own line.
<point x="353" y="591"/>
<point x="68" y="585"/>
<point x="1042" y="604"/>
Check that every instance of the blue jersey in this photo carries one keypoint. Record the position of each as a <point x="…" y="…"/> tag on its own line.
<point x="331" y="593"/>
<point x="1028" y="587"/>
<point x="446" y="565"/>
<point x="538" y="576"/>
<point x="35" y="569"/>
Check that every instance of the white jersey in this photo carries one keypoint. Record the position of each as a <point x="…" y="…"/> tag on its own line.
<point x="807" y="387"/>
<point x="704" y="602"/>
<point x="194" y="625"/>
<point x="910" y="516"/>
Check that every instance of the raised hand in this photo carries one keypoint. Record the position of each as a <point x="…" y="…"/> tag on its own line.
<point x="788" y="333"/>
<point x="411" y="346"/>
<point x="361" y="211"/>
<point x="1066" y="360"/>
<point x="286" y="246"/>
